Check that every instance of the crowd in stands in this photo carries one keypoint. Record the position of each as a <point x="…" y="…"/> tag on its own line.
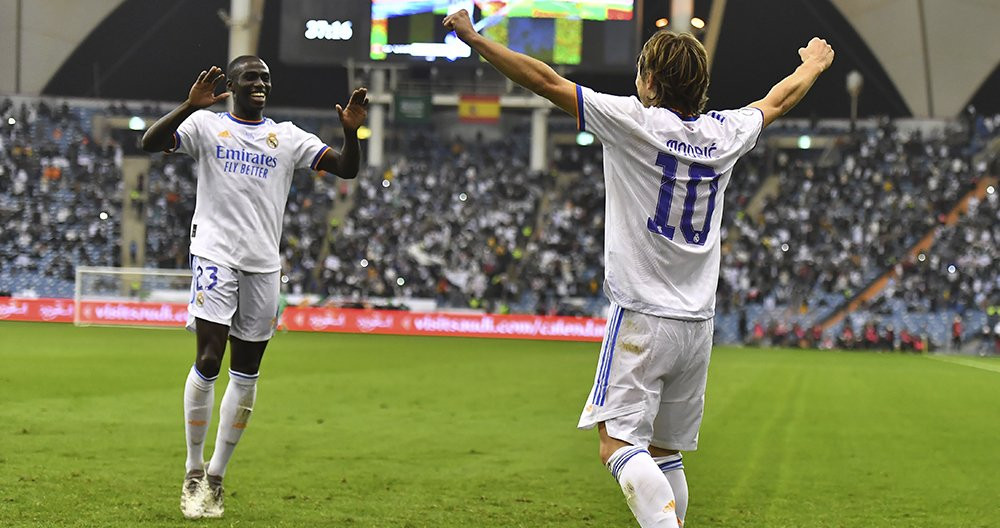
<point x="834" y="225"/>
<point x="565" y="258"/>
<point x="841" y="219"/>
<point x="961" y="272"/>
<point x="59" y="197"/>
<point x="463" y="221"/>
<point x="171" y="188"/>
<point x="446" y="220"/>
<point x="958" y="275"/>
<point x="871" y="336"/>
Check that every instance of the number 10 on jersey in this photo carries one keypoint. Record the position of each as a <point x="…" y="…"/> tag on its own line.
<point x="696" y="173"/>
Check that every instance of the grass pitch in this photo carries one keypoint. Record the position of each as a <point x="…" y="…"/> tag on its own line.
<point x="447" y="432"/>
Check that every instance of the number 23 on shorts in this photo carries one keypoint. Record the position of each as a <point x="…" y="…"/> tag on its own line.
<point x="213" y="275"/>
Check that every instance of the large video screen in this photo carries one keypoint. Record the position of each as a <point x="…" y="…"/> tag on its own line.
<point x="584" y="34"/>
<point x="323" y="32"/>
<point x="597" y="34"/>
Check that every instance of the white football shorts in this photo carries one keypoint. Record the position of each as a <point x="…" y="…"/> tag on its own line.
<point x="650" y="383"/>
<point x="246" y="302"/>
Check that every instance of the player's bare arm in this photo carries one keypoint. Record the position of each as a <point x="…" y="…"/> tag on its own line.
<point x="346" y="163"/>
<point x="816" y="58"/>
<point x="530" y="73"/>
<point x="159" y="137"/>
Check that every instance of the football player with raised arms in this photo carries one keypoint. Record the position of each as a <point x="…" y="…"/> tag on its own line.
<point x="667" y="164"/>
<point x="244" y="169"/>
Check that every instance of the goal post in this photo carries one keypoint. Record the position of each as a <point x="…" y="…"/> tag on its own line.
<point x="136" y="297"/>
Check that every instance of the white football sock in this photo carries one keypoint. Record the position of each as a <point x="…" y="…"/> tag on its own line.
<point x="234" y="414"/>
<point x="199" y="397"/>
<point x="646" y="489"/>
<point x="673" y="468"/>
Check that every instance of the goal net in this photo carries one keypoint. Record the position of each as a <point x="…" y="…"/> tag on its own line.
<point x="140" y="297"/>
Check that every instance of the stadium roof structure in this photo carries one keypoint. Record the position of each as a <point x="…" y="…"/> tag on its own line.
<point x="921" y="58"/>
<point x="937" y="52"/>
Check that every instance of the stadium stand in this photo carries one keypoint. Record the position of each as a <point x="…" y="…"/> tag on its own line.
<point x="59" y="198"/>
<point x="957" y="283"/>
<point x="464" y="222"/>
<point x="447" y="220"/>
<point x="836" y="225"/>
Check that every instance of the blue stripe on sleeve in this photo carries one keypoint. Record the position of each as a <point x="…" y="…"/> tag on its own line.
<point x="580" y="123"/>
<point x="319" y="156"/>
<point x="761" y="127"/>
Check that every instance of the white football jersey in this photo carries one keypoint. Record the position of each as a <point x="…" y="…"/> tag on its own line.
<point x="665" y="177"/>
<point x="244" y="171"/>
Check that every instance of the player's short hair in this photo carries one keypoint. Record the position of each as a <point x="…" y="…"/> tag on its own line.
<point x="238" y="62"/>
<point x="678" y="65"/>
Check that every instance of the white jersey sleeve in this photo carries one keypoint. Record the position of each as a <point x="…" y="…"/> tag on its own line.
<point x="665" y="177"/>
<point x="307" y="149"/>
<point x="606" y="116"/>
<point x="746" y="124"/>
<point x="189" y="137"/>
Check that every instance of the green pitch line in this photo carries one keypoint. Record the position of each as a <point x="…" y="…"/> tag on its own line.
<point x="362" y="431"/>
<point x="990" y="364"/>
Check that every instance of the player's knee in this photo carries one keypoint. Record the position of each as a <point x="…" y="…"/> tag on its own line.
<point x="208" y="363"/>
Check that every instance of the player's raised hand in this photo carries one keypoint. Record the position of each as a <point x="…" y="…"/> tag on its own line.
<point x="354" y="115"/>
<point x="202" y="94"/>
<point x="818" y="51"/>
<point x="461" y="24"/>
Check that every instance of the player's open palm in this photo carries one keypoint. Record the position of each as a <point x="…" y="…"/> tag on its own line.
<point x="202" y="94"/>
<point x="818" y="51"/>
<point x="354" y="115"/>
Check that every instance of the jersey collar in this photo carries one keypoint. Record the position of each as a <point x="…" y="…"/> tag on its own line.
<point x="682" y="118"/>
<point x="245" y="121"/>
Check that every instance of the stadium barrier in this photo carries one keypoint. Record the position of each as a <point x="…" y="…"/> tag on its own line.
<point x="309" y="319"/>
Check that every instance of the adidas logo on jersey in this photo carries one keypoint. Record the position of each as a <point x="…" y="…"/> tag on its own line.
<point x="225" y="134"/>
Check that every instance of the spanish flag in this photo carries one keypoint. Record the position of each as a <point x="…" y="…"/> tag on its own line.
<point x="479" y="108"/>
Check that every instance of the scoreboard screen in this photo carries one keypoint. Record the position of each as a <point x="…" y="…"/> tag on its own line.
<point x="584" y="34"/>
<point x="324" y="32"/>
<point x="592" y="34"/>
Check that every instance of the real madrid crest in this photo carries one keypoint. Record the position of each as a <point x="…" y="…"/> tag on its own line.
<point x="272" y="140"/>
<point x="200" y="298"/>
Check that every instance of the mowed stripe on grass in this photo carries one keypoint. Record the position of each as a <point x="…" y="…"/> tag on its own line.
<point x="356" y="430"/>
